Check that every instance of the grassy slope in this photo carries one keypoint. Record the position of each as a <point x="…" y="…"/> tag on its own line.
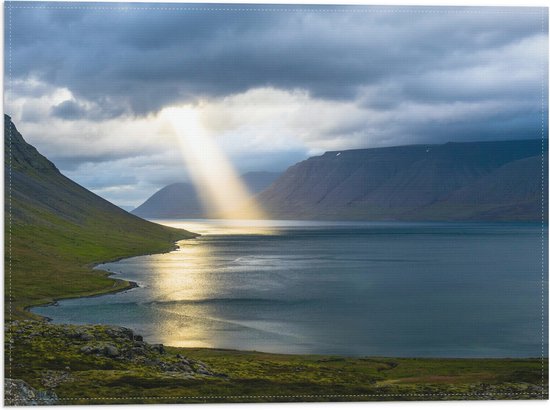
<point x="56" y="231"/>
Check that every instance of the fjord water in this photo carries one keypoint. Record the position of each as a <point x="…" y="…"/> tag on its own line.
<point x="351" y="288"/>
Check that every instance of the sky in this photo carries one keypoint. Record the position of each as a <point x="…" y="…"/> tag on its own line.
<point x="92" y="85"/>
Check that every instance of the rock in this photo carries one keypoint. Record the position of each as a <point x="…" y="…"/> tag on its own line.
<point x="86" y="337"/>
<point x="80" y="334"/>
<point x="52" y="378"/>
<point x="138" y="338"/>
<point x="139" y="351"/>
<point x="107" y="350"/>
<point x="120" y="332"/>
<point x="87" y="349"/>
<point x="19" y="393"/>
<point x="111" y="351"/>
<point x="151" y="362"/>
<point x="158" y="347"/>
<point x="203" y="371"/>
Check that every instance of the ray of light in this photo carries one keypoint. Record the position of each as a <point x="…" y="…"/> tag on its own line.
<point x="220" y="188"/>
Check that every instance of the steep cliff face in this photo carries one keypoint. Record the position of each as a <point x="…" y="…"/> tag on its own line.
<point x="453" y="181"/>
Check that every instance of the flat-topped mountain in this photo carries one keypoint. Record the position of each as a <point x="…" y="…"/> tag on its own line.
<point x="57" y="229"/>
<point x="499" y="180"/>
<point x="181" y="200"/>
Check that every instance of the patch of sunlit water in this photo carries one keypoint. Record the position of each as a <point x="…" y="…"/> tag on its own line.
<point x="188" y="279"/>
<point x="228" y="226"/>
<point x="183" y="277"/>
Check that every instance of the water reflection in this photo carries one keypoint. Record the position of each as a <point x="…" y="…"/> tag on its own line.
<point x="386" y="289"/>
<point x="180" y="279"/>
<point x="228" y="226"/>
<point x="182" y="276"/>
<point x="185" y="290"/>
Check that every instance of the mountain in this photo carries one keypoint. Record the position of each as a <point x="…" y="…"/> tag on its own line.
<point x="181" y="200"/>
<point x="56" y="230"/>
<point x="454" y="181"/>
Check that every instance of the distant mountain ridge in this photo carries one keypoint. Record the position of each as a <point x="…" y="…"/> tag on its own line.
<point x="499" y="180"/>
<point x="181" y="199"/>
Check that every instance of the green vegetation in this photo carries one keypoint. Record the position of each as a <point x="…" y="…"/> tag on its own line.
<point x="48" y="264"/>
<point x="56" y="231"/>
<point x="57" y="358"/>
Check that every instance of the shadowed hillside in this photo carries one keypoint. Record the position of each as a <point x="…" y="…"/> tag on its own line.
<point x="454" y="181"/>
<point x="56" y="230"/>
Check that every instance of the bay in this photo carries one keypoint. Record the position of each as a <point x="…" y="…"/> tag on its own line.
<point x="350" y="288"/>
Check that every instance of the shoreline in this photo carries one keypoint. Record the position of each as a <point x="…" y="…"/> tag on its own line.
<point x="130" y="285"/>
<point x="212" y="374"/>
<point x="329" y="356"/>
<point x="179" y="374"/>
<point x="123" y="285"/>
<point x="119" y="285"/>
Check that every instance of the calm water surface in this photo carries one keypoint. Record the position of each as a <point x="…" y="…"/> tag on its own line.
<point x="392" y="289"/>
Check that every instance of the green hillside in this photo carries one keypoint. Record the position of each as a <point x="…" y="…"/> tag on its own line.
<point x="56" y="231"/>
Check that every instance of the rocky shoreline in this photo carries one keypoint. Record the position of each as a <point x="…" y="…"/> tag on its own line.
<point x="49" y="363"/>
<point x="83" y="346"/>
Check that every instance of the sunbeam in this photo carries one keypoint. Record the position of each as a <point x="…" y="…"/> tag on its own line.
<point x="220" y="188"/>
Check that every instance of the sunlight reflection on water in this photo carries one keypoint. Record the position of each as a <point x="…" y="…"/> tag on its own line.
<point x="330" y="287"/>
<point x="235" y="226"/>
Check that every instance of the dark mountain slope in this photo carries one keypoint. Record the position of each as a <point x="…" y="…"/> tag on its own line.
<point x="56" y="230"/>
<point x="452" y="181"/>
<point x="181" y="200"/>
<point x="514" y="182"/>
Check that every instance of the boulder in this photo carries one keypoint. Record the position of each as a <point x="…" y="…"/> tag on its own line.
<point x="138" y="351"/>
<point x="158" y="347"/>
<point x="111" y="351"/>
<point x="85" y="337"/>
<point x="120" y="332"/>
<point x="19" y="393"/>
<point x="87" y="349"/>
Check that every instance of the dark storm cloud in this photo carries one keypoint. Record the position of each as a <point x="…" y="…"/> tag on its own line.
<point x="69" y="110"/>
<point x="73" y="110"/>
<point x="141" y="58"/>
<point x="380" y="76"/>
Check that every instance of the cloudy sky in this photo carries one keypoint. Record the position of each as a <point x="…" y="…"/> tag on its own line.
<point x="90" y="85"/>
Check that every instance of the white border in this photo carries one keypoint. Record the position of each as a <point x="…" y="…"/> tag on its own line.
<point x="416" y="405"/>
